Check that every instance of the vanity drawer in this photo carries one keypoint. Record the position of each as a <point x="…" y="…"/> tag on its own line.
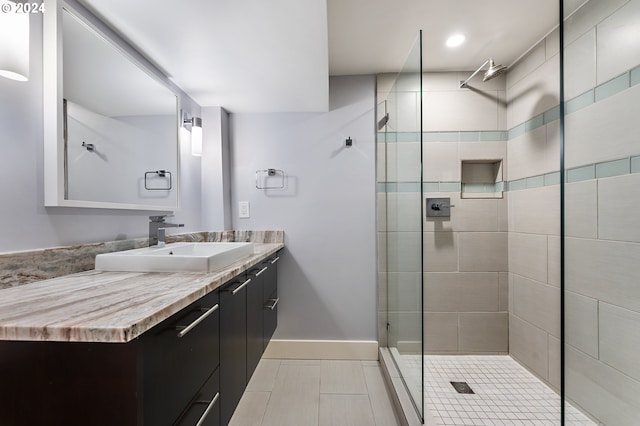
<point x="179" y="355"/>
<point x="270" y="317"/>
<point x="204" y="409"/>
<point x="270" y="276"/>
<point x="233" y="348"/>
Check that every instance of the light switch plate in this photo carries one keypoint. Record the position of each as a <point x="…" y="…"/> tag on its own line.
<point x="243" y="208"/>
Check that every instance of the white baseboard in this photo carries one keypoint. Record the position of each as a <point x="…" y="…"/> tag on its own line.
<point x="322" y="349"/>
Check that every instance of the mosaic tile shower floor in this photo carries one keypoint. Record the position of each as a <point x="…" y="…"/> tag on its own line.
<point x="506" y="394"/>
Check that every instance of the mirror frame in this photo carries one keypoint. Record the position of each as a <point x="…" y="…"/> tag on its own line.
<point x="53" y="110"/>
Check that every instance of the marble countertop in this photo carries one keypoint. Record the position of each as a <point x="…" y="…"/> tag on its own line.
<point x="110" y="307"/>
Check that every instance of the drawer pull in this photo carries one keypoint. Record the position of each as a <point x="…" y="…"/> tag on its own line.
<point x="261" y="271"/>
<point x="208" y="410"/>
<point x="273" y="306"/>
<point x="244" y="284"/>
<point x="182" y="330"/>
<point x="275" y="260"/>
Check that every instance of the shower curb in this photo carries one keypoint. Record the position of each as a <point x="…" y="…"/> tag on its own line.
<point x="401" y="400"/>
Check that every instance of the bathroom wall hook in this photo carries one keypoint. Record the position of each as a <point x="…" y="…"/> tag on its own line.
<point x="90" y="147"/>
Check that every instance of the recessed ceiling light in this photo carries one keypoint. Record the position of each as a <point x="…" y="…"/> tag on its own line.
<point x="455" y="40"/>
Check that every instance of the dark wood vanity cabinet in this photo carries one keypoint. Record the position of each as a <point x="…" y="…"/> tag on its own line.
<point x="255" y="329"/>
<point x="180" y="356"/>
<point x="270" y="296"/>
<point x="153" y="380"/>
<point x="262" y="313"/>
<point x="204" y="408"/>
<point x="248" y="319"/>
<point x="190" y="369"/>
<point x="233" y="345"/>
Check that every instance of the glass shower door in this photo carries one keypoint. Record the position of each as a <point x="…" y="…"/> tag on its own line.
<point x="402" y="136"/>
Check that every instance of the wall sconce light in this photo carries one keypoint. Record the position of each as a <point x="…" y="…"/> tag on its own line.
<point x="14" y="42"/>
<point x="196" y="134"/>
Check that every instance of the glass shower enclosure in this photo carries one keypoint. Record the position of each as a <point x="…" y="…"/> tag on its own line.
<point x="539" y="261"/>
<point x="400" y="219"/>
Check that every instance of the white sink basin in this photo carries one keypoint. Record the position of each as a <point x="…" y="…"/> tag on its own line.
<point x="175" y="257"/>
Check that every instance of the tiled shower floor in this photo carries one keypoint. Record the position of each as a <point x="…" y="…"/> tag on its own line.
<point x="505" y="392"/>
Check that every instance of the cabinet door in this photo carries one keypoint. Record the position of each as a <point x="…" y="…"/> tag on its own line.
<point x="179" y="354"/>
<point x="233" y="345"/>
<point x="270" y="304"/>
<point x="255" y="302"/>
<point x="204" y="409"/>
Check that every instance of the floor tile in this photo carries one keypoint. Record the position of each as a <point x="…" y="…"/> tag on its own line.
<point x="381" y="403"/>
<point x="264" y="378"/>
<point x="345" y="410"/>
<point x="251" y="409"/>
<point x="295" y="397"/>
<point x="287" y="393"/>
<point x="345" y="377"/>
<point x="505" y="393"/>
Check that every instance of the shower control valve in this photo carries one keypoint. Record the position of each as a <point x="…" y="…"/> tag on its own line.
<point x="439" y="207"/>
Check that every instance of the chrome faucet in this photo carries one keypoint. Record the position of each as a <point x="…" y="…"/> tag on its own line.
<point x="157" y="227"/>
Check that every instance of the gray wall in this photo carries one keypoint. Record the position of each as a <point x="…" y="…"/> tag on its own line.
<point x="327" y="210"/>
<point x="24" y="221"/>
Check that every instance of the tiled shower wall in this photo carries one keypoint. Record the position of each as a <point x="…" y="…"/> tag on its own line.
<point x="465" y="256"/>
<point x="602" y="256"/>
<point x="533" y="93"/>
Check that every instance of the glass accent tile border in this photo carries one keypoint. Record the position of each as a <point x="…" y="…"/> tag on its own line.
<point x="505" y="392"/>
<point x="605" y="169"/>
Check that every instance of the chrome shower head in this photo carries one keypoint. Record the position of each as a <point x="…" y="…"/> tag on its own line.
<point x="493" y="71"/>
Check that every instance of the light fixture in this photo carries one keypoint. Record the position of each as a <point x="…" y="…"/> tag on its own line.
<point x="14" y="42"/>
<point x="196" y="134"/>
<point x="455" y="40"/>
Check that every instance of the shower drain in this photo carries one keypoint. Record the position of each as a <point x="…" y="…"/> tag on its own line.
<point x="462" y="387"/>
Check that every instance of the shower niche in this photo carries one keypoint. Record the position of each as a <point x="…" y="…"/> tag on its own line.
<point x="481" y="179"/>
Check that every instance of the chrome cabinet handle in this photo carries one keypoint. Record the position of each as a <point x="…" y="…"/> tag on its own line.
<point x="275" y="260"/>
<point x="209" y="408"/>
<point x="261" y="271"/>
<point x="244" y="284"/>
<point x="183" y="330"/>
<point x="275" y="302"/>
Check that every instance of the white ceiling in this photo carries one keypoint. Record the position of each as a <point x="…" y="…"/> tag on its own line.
<point x="244" y="55"/>
<point x="276" y="55"/>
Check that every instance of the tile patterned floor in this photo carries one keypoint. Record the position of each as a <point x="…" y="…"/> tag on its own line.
<point x="316" y="393"/>
<point x="505" y="392"/>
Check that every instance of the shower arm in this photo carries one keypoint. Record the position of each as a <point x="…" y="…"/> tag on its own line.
<point x="464" y="83"/>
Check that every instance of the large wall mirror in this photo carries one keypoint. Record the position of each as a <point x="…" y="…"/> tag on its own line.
<point x="111" y="122"/>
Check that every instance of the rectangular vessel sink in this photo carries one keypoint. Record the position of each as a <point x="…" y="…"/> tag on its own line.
<point x="175" y="257"/>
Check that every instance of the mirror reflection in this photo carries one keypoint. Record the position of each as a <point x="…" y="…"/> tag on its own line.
<point x="120" y="125"/>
